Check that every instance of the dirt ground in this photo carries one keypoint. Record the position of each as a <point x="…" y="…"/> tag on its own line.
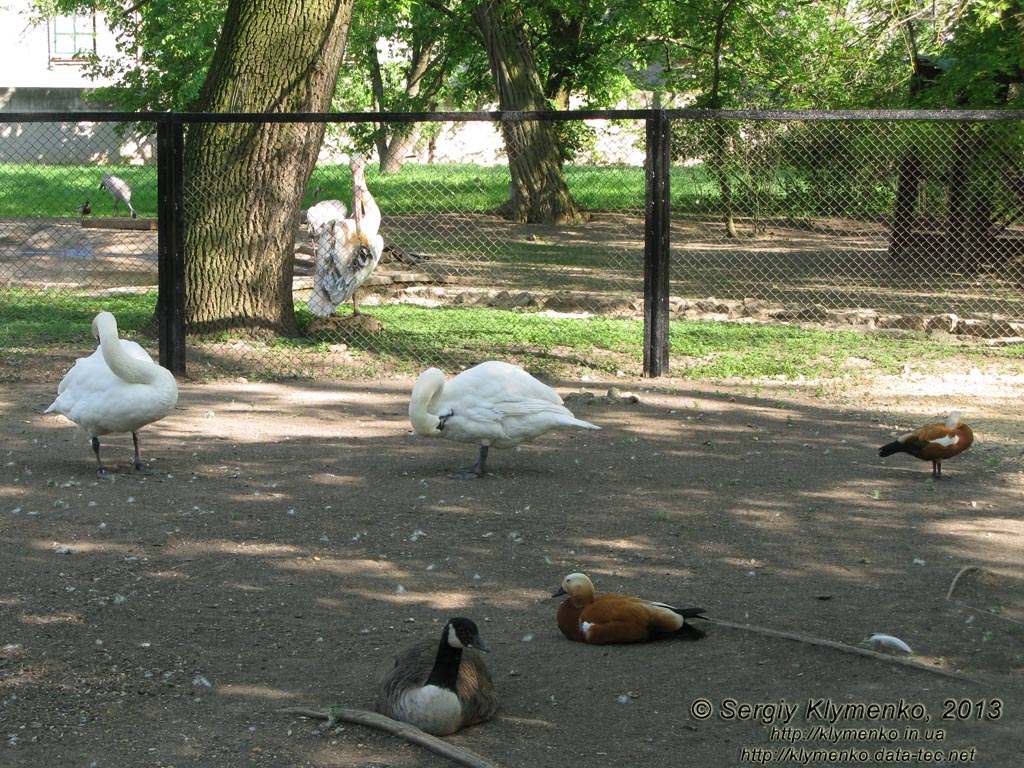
<point x="290" y="535"/>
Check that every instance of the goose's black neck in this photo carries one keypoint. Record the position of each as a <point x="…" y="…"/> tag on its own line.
<point x="446" y="666"/>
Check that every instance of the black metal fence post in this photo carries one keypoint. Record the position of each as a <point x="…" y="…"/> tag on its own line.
<point x="656" y="246"/>
<point x="170" y="306"/>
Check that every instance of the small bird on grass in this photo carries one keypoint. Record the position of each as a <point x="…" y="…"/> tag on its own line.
<point x="600" y="619"/>
<point x="935" y="442"/>
<point x="85" y="209"/>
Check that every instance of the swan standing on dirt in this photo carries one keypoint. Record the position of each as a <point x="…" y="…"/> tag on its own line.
<point x="118" y="388"/>
<point x="493" y="404"/>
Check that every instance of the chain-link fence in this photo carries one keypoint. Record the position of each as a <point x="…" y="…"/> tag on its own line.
<point x="909" y="221"/>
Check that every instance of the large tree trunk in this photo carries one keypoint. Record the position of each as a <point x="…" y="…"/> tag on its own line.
<point x="723" y="134"/>
<point x="244" y="181"/>
<point x="393" y="148"/>
<point x="539" y="193"/>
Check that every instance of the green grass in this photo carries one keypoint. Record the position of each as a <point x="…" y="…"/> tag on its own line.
<point x="28" y="318"/>
<point x="475" y="188"/>
<point x="414" y="337"/>
<point x="49" y="191"/>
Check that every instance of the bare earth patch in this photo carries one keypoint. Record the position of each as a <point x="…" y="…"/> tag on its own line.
<point x="290" y="535"/>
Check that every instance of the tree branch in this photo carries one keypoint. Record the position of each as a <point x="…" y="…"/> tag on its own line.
<point x="409" y="733"/>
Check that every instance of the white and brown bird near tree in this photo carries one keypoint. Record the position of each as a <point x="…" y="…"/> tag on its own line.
<point x="494" y="404"/>
<point x="321" y="212"/>
<point x="347" y="250"/>
<point x="934" y="442"/>
<point x="118" y="388"/>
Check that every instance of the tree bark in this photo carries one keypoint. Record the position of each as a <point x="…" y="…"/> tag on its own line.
<point x="722" y="133"/>
<point x="539" y="193"/>
<point x="244" y="181"/>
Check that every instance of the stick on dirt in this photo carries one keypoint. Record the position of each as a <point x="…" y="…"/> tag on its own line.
<point x="844" y="648"/>
<point x="981" y="611"/>
<point x="404" y="731"/>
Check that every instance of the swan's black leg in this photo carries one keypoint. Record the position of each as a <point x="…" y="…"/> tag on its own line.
<point x="477" y="470"/>
<point x="100" y="469"/>
<point x="137" y="463"/>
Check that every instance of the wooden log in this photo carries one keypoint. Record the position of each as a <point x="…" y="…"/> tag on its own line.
<point x="119" y="223"/>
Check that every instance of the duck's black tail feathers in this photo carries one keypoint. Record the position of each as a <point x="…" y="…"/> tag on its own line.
<point x="894" y="447"/>
<point x="688" y="631"/>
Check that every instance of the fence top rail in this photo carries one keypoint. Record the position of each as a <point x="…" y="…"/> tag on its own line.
<point x="940" y="115"/>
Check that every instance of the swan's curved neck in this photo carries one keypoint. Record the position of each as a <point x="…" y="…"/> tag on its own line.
<point x="424" y="393"/>
<point x="128" y="368"/>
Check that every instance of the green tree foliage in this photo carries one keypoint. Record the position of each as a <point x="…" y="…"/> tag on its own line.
<point x="164" y="48"/>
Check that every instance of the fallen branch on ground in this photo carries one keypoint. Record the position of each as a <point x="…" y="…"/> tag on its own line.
<point x="409" y="733"/>
<point x="837" y="646"/>
<point x="949" y="594"/>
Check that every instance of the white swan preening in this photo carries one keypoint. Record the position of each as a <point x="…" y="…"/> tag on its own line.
<point x="493" y="404"/>
<point x="438" y="687"/>
<point x="347" y="250"/>
<point x="118" y="388"/>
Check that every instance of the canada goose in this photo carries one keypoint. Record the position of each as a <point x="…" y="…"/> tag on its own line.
<point x="935" y="442"/>
<point x="493" y="404"/>
<point x="118" y="388"/>
<point x="599" y="619"/>
<point x="120" y="191"/>
<point x="347" y="250"/>
<point x="438" y="687"/>
<point x="85" y="209"/>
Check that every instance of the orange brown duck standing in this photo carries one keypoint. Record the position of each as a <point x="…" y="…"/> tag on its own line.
<point x="935" y="442"/>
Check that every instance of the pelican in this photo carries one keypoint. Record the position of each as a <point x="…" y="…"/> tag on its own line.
<point x="347" y="250"/>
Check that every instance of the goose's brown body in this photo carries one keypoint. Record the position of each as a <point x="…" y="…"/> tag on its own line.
<point x="439" y="688"/>
<point x="587" y="617"/>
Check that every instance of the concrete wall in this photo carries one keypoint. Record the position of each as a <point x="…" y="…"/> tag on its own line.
<point x="71" y="143"/>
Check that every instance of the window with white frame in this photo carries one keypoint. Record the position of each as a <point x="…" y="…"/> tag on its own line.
<point x="72" y="38"/>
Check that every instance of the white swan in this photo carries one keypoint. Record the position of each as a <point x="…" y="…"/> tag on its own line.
<point x="118" y="388"/>
<point x="493" y="404"/>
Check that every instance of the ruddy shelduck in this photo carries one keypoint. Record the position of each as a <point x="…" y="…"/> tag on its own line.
<point x="935" y="442"/>
<point x="587" y="617"/>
